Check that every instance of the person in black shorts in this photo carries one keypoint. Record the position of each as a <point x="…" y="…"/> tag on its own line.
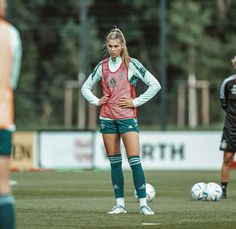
<point x="228" y="141"/>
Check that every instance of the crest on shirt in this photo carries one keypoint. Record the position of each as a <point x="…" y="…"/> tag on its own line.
<point x="233" y="90"/>
<point x="121" y="75"/>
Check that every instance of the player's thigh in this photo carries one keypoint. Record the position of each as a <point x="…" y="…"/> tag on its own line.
<point x="4" y="174"/>
<point x="5" y="153"/>
<point x="131" y="143"/>
<point x="111" y="143"/>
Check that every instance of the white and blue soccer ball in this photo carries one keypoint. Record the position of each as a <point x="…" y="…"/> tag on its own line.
<point x="197" y="191"/>
<point x="212" y="192"/>
<point x="150" y="193"/>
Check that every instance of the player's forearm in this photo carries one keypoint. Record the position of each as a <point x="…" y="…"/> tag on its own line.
<point x="87" y="87"/>
<point x="153" y="87"/>
<point x="17" y="55"/>
<point x="16" y="70"/>
<point x="147" y="95"/>
<point x="89" y="96"/>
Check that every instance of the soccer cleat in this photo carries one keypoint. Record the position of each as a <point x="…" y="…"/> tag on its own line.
<point x="145" y="210"/>
<point x="117" y="210"/>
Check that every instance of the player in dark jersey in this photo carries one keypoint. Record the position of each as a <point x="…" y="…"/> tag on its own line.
<point x="228" y="141"/>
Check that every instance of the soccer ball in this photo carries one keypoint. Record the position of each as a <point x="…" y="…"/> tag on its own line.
<point x="198" y="191"/>
<point x="212" y="192"/>
<point x="150" y="193"/>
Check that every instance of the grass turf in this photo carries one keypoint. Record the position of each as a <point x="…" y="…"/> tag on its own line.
<point x="56" y="200"/>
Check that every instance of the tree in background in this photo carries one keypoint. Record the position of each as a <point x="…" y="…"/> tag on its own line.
<point x="199" y="41"/>
<point x="50" y="31"/>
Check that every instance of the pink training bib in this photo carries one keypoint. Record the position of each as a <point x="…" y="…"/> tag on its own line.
<point x="116" y="85"/>
<point x="6" y="93"/>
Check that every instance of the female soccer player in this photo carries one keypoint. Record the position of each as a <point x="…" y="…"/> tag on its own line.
<point x="118" y="76"/>
<point x="10" y="58"/>
<point x="228" y="141"/>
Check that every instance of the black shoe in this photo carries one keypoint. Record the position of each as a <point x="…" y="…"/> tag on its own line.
<point x="224" y="196"/>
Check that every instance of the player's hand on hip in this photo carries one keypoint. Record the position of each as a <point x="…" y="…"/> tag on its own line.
<point x="103" y="100"/>
<point x="125" y="103"/>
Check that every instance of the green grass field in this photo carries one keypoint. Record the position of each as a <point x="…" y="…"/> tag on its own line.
<point x="56" y="200"/>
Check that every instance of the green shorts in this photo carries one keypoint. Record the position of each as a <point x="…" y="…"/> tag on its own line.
<point x="118" y="126"/>
<point x="5" y="142"/>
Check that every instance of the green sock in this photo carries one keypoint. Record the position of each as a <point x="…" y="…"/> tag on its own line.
<point x="117" y="175"/>
<point x="138" y="176"/>
<point x="7" y="212"/>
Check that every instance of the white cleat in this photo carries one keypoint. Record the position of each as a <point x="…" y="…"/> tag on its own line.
<point x="117" y="210"/>
<point x="145" y="210"/>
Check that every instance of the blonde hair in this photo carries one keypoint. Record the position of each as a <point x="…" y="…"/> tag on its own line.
<point x="234" y="61"/>
<point x="117" y="34"/>
<point x="3" y="5"/>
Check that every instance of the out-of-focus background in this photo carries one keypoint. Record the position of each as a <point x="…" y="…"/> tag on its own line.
<point x="180" y="42"/>
<point x="186" y="45"/>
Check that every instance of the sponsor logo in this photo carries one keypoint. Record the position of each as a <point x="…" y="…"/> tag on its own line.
<point x="121" y="75"/>
<point x="233" y="90"/>
<point x="112" y="83"/>
<point x="142" y="187"/>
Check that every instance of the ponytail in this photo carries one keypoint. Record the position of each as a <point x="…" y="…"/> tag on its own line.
<point x="117" y="34"/>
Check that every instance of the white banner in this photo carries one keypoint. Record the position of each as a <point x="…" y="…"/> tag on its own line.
<point x="24" y="151"/>
<point x="171" y="150"/>
<point x="66" y="149"/>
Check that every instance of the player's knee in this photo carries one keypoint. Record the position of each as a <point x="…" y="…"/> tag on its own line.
<point x="228" y="161"/>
